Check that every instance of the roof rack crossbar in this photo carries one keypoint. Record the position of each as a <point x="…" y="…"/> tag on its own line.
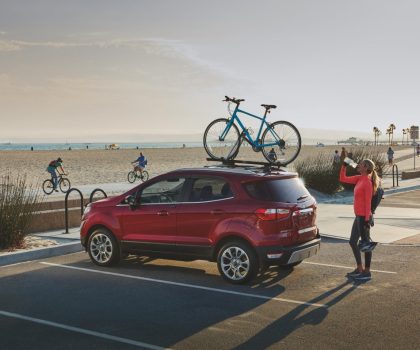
<point x="236" y="162"/>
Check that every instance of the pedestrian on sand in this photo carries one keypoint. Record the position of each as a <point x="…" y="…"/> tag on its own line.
<point x="367" y="184"/>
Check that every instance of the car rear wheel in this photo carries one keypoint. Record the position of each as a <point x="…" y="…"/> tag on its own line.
<point x="237" y="262"/>
<point x="103" y="248"/>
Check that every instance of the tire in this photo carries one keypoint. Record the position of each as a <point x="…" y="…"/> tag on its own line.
<point x="103" y="248"/>
<point x="289" y="266"/>
<point x="241" y="270"/>
<point x="64" y="185"/>
<point x="226" y="149"/>
<point x="48" y="186"/>
<point x="131" y="177"/>
<point x="145" y="176"/>
<point x="288" y="146"/>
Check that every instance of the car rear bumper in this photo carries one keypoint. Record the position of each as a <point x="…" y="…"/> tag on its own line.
<point x="280" y="255"/>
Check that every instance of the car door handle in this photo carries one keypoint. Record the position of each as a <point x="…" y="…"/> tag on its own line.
<point x="216" y="211"/>
<point x="163" y="213"/>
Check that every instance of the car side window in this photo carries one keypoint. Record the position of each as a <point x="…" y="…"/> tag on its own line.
<point x="208" y="189"/>
<point x="165" y="191"/>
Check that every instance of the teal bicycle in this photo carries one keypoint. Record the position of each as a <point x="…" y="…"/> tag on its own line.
<point x="279" y="142"/>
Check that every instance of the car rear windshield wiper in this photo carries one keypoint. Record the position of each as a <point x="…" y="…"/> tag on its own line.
<point x="302" y="197"/>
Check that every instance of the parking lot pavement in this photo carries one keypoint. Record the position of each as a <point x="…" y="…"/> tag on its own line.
<point x="67" y="302"/>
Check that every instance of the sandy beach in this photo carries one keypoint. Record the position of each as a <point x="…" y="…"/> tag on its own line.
<point x="108" y="166"/>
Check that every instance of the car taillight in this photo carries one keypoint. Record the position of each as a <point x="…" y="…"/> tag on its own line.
<point x="272" y="214"/>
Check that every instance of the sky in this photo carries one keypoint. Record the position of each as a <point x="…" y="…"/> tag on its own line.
<point x="123" y="70"/>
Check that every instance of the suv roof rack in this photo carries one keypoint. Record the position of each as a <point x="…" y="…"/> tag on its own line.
<point x="248" y="164"/>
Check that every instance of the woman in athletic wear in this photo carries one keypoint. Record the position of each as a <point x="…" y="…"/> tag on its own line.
<point x="366" y="185"/>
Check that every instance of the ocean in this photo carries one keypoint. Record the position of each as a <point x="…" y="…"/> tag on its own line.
<point x="10" y="146"/>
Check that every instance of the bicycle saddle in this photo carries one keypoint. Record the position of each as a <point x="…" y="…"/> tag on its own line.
<point x="269" y="106"/>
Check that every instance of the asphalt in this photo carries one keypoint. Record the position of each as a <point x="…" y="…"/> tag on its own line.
<point x="395" y="221"/>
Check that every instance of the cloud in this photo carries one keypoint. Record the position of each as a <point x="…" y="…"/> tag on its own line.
<point x="166" y="48"/>
<point x="8" y="46"/>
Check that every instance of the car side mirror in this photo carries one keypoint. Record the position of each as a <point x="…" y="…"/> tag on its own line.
<point x="131" y="201"/>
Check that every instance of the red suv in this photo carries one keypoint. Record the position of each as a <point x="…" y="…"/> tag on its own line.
<point x="245" y="218"/>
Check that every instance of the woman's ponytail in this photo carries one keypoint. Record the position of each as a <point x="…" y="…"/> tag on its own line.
<point x="370" y="165"/>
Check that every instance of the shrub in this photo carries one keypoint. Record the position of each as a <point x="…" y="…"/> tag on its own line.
<point x="319" y="173"/>
<point x="18" y="202"/>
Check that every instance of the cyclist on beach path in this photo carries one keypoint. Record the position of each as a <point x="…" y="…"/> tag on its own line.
<point x="53" y="167"/>
<point x="141" y="163"/>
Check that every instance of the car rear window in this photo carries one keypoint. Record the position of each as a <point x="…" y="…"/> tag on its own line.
<point x="290" y="190"/>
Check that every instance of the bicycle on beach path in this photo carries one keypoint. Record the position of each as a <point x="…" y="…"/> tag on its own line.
<point x="280" y="142"/>
<point x="133" y="175"/>
<point x="63" y="184"/>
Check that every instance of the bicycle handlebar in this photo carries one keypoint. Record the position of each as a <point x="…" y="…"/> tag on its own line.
<point x="234" y="100"/>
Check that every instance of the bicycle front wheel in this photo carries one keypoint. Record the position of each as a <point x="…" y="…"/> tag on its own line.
<point x="131" y="177"/>
<point x="64" y="185"/>
<point x="144" y="176"/>
<point x="218" y="148"/>
<point x="281" y="143"/>
<point x="48" y="186"/>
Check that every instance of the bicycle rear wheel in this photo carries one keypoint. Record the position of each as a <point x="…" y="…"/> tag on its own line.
<point x="64" y="185"/>
<point x="131" y="177"/>
<point x="144" y="176"/>
<point x="216" y="148"/>
<point x="283" y="143"/>
<point x="48" y="186"/>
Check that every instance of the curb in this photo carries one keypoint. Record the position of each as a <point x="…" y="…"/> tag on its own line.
<point x="392" y="244"/>
<point x="402" y="189"/>
<point x="40" y="253"/>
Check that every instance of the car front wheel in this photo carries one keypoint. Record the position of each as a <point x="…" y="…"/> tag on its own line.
<point x="103" y="248"/>
<point x="237" y="262"/>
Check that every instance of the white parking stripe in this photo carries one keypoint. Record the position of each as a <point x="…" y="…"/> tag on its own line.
<point x="344" y="267"/>
<point x="81" y="330"/>
<point x="217" y="290"/>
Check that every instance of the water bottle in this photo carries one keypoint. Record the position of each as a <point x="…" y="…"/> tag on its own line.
<point x="350" y="162"/>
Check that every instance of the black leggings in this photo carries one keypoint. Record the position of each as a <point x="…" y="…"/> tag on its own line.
<point x="359" y="231"/>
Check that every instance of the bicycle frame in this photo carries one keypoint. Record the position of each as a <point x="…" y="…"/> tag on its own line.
<point x="254" y="142"/>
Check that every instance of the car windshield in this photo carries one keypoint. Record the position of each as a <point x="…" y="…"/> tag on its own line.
<point x="290" y="190"/>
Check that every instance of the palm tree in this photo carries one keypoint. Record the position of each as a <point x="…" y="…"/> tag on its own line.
<point x="406" y="132"/>
<point x="376" y="133"/>
<point x="390" y="132"/>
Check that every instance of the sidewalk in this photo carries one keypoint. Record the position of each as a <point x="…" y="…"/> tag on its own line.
<point x="335" y="217"/>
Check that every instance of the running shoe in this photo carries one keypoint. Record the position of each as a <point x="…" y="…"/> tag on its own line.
<point x="354" y="273"/>
<point x="364" y="276"/>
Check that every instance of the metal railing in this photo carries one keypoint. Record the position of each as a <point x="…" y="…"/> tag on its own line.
<point x="394" y="174"/>
<point x="97" y="190"/>
<point x="66" y="207"/>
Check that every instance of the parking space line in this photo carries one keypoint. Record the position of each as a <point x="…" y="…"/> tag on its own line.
<point x="187" y="285"/>
<point x="81" y="330"/>
<point x="344" y="267"/>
